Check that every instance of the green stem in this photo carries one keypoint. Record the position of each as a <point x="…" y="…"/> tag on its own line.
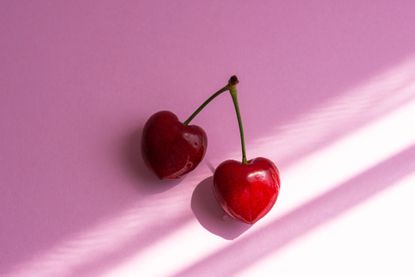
<point x="216" y="94"/>
<point x="231" y="86"/>
<point x="234" y="94"/>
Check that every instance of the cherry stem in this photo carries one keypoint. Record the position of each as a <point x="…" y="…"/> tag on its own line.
<point x="231" y="87"/>
<point x="216" y="94"/>
<point x="234" y="93"/>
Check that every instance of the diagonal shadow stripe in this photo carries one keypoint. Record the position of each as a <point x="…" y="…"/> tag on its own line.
<point x="281" y="232"/>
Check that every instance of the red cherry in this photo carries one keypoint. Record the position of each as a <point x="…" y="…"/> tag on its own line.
<point x="247" y="191"/>
<point x="171" y="148"/>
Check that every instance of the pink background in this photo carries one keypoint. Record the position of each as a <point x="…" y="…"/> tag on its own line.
<point x="78" y="79"/>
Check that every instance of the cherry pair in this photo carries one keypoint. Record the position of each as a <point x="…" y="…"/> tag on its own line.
<point x="246" y="190"/>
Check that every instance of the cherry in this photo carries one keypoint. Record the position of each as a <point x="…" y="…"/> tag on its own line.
<point x="246" y="190"/>
<point x="170" y="147"/>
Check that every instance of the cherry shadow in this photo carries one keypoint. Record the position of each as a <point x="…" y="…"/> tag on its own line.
<point x="146" y="181"/>
<point x="211" y="216"/>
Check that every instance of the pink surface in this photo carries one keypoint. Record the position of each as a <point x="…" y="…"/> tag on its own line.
<point x="79" y="78"/>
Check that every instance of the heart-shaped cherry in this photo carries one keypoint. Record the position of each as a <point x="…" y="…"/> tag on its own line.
<point x="171" y="148"/>
<point x="247" y="191"/>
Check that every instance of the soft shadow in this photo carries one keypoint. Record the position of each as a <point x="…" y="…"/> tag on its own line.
<point x="211" y="216"/>
<point x="302" y="220"/>
<point x="147" y="182"/>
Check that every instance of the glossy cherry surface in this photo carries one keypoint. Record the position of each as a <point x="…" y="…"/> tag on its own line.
<point x="247" y="191"/>
<point x="171" y="148"/>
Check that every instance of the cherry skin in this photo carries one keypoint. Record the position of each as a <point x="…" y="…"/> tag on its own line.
<point x="248" y="191"/>
<point x="169" y="147"/>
